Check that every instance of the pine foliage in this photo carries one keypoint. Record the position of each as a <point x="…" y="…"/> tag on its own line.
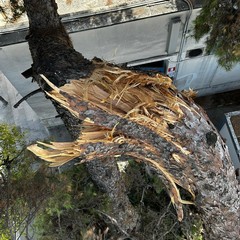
<point x="221" y="20"/>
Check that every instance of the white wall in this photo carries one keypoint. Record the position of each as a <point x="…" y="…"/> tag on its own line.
<point x="123" y="43"/>
<point x="23" y="116"/>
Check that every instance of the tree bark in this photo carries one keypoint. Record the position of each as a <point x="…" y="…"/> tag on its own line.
<point x="54" y="56"/>
<point x="165" y="129"/>
<point x="189" y="152"/>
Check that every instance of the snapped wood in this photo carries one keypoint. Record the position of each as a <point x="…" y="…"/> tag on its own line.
<point x="149" y="101"/>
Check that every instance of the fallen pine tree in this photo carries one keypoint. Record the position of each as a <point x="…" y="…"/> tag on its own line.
<point x="127" y="113"/>
<point x="112" y="112"/>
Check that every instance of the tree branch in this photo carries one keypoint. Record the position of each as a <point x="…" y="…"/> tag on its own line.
<point x="129" y="113"/>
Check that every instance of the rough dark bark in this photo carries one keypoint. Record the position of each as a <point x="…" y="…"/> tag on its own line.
<point x="194" y="156"/>
<point x="206" y="169"/>
<point x="208" y="166"/>
<point x="54" y="56"/>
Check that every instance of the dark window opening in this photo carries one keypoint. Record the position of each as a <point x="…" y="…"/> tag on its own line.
<point x="195" y="52"/>
<point x="157" y="67"/>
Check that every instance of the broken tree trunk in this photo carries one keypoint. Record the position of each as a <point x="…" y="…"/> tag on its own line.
<point x="129" y="113"/>
<point x="54" y="56"/>
<point x="126" y="113"/>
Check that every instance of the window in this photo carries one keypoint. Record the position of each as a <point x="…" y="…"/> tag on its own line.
<point x="159" y="66"/>
<point x="194" y="53"/>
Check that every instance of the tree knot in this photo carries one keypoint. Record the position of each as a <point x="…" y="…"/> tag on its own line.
<point x="211" y="138"/>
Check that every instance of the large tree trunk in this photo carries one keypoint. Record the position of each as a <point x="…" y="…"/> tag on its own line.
<point x="54" y="56"/>
<point x="136" y="115"/>
<point x="146" y="118"/>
